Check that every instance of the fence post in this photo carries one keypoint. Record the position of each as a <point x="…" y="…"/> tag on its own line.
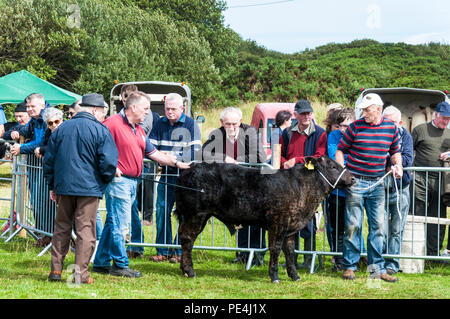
<point x="276" y="156"/>
<point x="20" y="209"/>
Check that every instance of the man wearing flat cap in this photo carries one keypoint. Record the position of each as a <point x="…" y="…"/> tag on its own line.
<point x="79" y="162"/>
<point x="22" y="118"/>
<point x="303" y="139"/>
<point x="431" y="143"/>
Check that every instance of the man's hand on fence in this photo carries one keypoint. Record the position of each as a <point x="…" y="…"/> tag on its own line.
<point x="15" y="135"/>
<point x="445" y="156"/>
<point x="37" y="152"/>
<point x="15" y="149"/>
<point x="397" y="171"/>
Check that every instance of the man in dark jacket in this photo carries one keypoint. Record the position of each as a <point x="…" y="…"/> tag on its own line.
<point x="80" y="160"/>
<point x="236" y="142"/>
<point x="395" y="222"/>
<point x="22" y="118"/>
<point x="43" y="208"/>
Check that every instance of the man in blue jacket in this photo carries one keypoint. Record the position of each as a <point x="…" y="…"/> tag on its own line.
<point x="80" y="160"/>
<point x="396" y="219"/>
<point x="34" y="131"/>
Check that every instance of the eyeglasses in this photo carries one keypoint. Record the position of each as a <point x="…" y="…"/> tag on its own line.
<point x="56" y="122"/>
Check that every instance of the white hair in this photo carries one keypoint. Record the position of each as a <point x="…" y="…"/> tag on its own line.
<point x="51" y="112"/>
<point x="175" y="97"/>
<point x="392" y="111"/>
<point x="230" y="109"/>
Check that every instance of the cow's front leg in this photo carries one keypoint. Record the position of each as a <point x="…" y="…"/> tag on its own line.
<point x="275" y="243"/>
<point x="288" y="249"/>
<point x="189" y="230"/>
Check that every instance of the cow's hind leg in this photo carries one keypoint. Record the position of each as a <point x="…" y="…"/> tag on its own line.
<point x="288" y="249"/>
<point x="188" y="233"/>
<point x="275" y="243"/>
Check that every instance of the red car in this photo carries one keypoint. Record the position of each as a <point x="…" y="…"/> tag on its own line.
<point x="263" y="119"/>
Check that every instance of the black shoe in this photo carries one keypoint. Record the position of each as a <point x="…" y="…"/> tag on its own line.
<point x="54" y="276"/>
<point x="124" y="272"/>
<point x="337" y="268"/>
<point x="101" y="270"/>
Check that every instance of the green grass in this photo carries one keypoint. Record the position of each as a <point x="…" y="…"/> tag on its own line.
<point x="24" y="275"/>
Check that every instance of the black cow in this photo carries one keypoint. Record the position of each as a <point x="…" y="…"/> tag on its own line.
<point x="283" y="203"/>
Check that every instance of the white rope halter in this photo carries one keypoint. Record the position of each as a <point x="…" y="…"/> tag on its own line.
<point x="337" y="181"/>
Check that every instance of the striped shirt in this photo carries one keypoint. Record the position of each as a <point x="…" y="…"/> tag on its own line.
<point x="367" y="146"/>
<point x="181" y="140"/>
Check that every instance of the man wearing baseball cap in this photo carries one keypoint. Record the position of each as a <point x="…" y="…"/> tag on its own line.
<point x="368" y="142"/>
<point x="431" y="143"/>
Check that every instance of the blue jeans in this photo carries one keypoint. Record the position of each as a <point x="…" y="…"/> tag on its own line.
<point x="98" y="226"/>
<point x="119" y="196"/>
<point x="137" y="235"/>
<point x="395" y="223"/>
<point x="164" y="205"/>
<point x="372" y="200"/>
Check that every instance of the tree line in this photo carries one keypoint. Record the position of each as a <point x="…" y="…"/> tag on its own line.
<point x="85" y="45"/>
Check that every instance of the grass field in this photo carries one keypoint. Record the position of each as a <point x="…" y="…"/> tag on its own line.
<point x="23" y="275"/>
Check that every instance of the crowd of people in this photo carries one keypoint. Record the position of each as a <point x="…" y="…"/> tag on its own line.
<point x="91" y="156"/>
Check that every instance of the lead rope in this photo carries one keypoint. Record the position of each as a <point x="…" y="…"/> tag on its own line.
<point x="395" y="167"/>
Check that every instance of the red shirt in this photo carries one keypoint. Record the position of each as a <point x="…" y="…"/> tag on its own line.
<point x="131" y="144"/>
<point x="296" y="147"/>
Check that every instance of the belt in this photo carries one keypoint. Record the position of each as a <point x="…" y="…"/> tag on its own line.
<point x="372" y="178"/>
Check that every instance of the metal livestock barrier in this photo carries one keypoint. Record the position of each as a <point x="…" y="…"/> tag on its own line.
<point x="35" y="214"/>
<point x="8" y="223"/>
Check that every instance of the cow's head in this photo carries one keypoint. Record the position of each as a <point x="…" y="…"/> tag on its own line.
<point x="331" y="171"/>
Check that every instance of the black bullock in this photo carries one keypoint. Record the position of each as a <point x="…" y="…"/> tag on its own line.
<point x="283" y="203"/>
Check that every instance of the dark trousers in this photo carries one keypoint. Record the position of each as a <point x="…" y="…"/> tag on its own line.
<point x="257" y="240"/>
<point x="145" y="191"/>
<point x="336" y="210"/>
<point x="81" y="210"/>
<point x="428" y="202"/>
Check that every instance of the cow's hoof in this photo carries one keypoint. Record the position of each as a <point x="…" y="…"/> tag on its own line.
<point x="296" y="279"/>
<point x="189" y="274"/>
<point x="276" y="281"/>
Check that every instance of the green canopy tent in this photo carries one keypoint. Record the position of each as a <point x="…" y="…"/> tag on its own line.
<point x="15" y="87"/>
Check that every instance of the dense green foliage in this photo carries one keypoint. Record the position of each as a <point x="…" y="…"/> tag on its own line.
<point x="85" y="45"/>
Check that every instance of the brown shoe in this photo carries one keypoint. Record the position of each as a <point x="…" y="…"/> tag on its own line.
<point x="88" y="281"/>
<point x="348" y="274"/>
<point x="388" y="278"/>
<point x="158" y="258"/>
<point x="175" y="259"/>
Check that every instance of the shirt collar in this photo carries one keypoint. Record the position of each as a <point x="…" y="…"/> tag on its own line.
<point x="308" y="131"/>
<point x="125" y="118"/>
<point x="182" y="119"/>
<point x="235" y="137"/>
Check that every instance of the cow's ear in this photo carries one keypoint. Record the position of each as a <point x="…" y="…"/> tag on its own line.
<point x="310" y="162"/>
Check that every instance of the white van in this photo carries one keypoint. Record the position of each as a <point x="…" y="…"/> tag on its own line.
<point x="417" y="105"/>
<point x="157" y="91"/>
